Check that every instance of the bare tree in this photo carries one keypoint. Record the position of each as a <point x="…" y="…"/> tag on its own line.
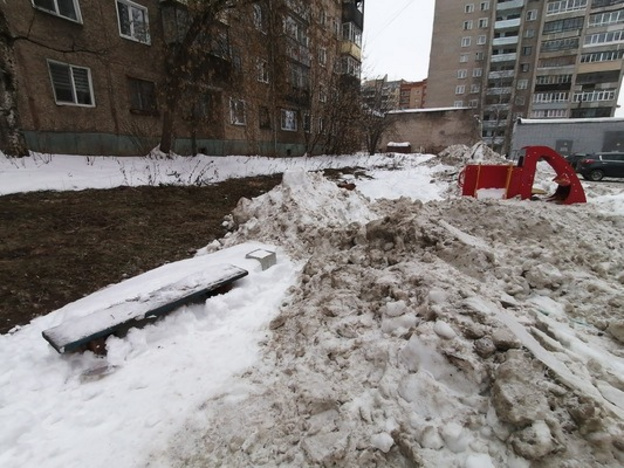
<point x="12" y="141"/>
<point x="198" y="25"/>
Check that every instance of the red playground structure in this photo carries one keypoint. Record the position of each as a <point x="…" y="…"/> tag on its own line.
<point x="518" y="180"/>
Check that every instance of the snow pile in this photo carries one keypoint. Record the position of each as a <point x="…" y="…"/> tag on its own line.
<point x="460" y="155"/>
<point x="455" y="333"/>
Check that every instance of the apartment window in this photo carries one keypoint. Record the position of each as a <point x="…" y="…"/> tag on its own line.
<point x="262" y="70"/>
<point x="605" y="56"/>
<point x="595" y="95"/>
<point x="479" y="56"/>
<point x="484" y="6"/>
<point x="461" y="74"/>
<point x="525" y="67"/>
<point x="72" y="84"/>
<point x="564" y="6"/>
<point x="522" y="84"/>
<point x="527" y="50"/>
<point x="529" y="33"/>
<point x="520" y="100"/>
<point x="531" y="15"/>
<point x="460" y="89"/>
<point x="237" y="112"/>
<point x="68" y="9"/>
<point x="142" y="96"/>
<point x="474" y="103"/>
<point x="605" y="19"/>
<point x="467" y="25"/>
<point x="551" y="97"/>
<point x="466" y="41"/>
<point x="469" y="8"/>
<point x="477" y="72"/>
<point x="264" y="117"/>
<point x="258" y="17"/>
<point x="475" y="88"/>
<point x="133" y="21"/>
<point x="322" y="56"/>
<point x="320" y="125"/>
<point x="322" y="94"/>
<point x="481" y="40"/>
<point x="483" y="23"/>
<point x="570" y="24"/>
<point x="307" y="123"/>
<point x="604" y="38"/>
<point x="463" y="58"/>
<point x="289" y="120"/>
<point x="458" y="104"/>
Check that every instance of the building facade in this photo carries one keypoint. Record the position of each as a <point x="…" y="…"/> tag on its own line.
<point x="93" y="75"/>
<point x="413" y="94"/>
<point x="510" y="59"/>
<point x="385" y="95"/>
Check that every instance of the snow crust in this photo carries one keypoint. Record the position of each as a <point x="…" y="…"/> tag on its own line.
<point x="423" y="329"/>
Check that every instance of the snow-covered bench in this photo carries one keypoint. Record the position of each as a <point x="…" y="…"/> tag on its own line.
<point x="91" y="330"/>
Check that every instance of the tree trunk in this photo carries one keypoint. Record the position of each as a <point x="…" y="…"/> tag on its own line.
<point x="12" y="141"/>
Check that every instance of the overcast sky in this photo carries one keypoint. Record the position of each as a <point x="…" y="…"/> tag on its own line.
<point x="397" y="40"/>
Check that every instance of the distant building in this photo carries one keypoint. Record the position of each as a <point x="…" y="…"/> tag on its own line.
<point x="381" y="94"/>
<point x="526" y="58"/>
<point x="412" y="94"/>
<point x="92" y="75"/>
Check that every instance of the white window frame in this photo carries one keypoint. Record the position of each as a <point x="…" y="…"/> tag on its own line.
<point x="463" y="58"/>
<point x="460" y="89"/>
<point x="483" y="23"/>
<point x="322" y="56"/>
<point x="466" y="41"/>
<point x="467" y="25"/>
<point x="461" y="74"/>
<point x="482" y="39"/>
<point x="485" y="6"/>
<point x="475" y="88"/>
<point x="72" y="82"/>
<point x="288" y="120"/>
<point x="57" y="10"/>
<point x="258" y="17"/>
<point x="262" y="71"/>
<point x="469" y="8"/>
<point x="477" y="72"/>
<point x="522" y="84"/>
<point x="531" y="15"/>
<point x="135" y="33"/>
<point x="458" y="104"/>
<point x="238" y="112"/>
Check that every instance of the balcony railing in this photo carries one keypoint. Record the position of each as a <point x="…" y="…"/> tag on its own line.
<point x="504" y="58"/>
<point x="508" y="24"/>
<point x="498" y="91"/>
<point x="351" y="48"/>
<point x="509" y="5"/>
<point x="501" y="74"/>
<point x="500" y="41"/>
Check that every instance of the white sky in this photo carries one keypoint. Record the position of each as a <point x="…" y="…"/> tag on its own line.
<point x="397" y="40"/>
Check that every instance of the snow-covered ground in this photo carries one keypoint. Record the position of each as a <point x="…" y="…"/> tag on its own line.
<point x="402" y="325"/>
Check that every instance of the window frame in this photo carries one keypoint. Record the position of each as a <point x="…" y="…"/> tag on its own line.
<point x="142" y="110"/>
<point x="134" y="35"/>
<point x="284" y="119"/>
<point x="73" y="84"/>
<point x="262" y="71"/>
<point x="235" y="110"/>
<point x="56" y="11"/>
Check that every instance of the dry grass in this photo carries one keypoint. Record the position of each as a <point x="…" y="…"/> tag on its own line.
<point x="60" y="246"/>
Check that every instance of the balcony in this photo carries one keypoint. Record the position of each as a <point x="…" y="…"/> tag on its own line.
<point x="504" y="58"/>
<point x="352" y="49"/>
<point x="510" y="5"/>
<point x="352" y="14"/>
<point x="502" y="41"/>
<point x="508" y="24"/>
<point x="501" y="74"/>
<point x="498" y="91"/>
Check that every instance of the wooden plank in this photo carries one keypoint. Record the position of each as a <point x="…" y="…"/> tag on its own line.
<point x="73" y="335"/>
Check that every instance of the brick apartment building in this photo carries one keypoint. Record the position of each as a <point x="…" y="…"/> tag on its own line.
<point x="91" y="75"/>
<point x="386" y="95"/>
<point x="539" y="59"/>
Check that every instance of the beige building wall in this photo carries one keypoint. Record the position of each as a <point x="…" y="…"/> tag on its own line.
<point x="430" y="131"/>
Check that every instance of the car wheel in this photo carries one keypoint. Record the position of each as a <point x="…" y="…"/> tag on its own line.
<point x="596" y="174"/>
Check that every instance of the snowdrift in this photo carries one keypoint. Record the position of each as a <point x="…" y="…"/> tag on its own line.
<point x="453" y="333"/>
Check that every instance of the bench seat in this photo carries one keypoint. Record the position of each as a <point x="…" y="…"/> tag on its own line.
<point x="76" y="334"/>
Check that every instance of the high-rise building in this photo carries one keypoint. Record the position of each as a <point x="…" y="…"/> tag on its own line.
<point x="526" y="58"/>
<point x="94" y="77"/>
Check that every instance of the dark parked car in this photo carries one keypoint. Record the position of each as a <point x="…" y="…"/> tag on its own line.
<point x="599" y="165"/>
<point x="575" y="158"/>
